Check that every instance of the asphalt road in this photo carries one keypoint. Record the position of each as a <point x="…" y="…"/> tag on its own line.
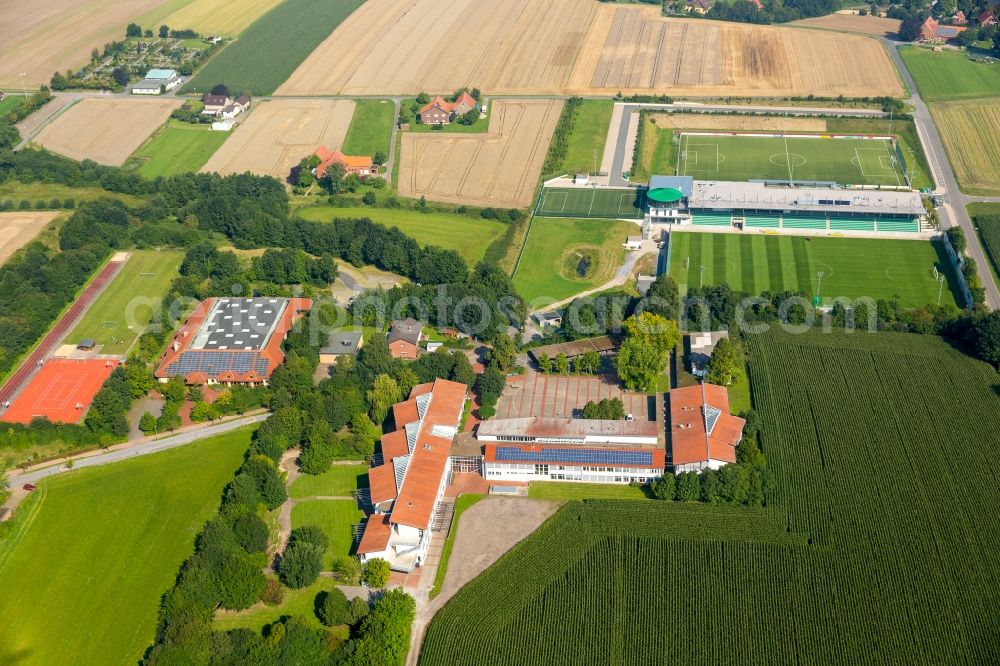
<point x="953" y="213"/>
<point x="154" y="446"/>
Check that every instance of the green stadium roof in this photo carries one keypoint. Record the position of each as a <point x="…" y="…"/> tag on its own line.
<point x="665" y="194"/>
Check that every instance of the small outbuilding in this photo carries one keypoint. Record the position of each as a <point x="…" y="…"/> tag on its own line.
<point x="87" y="344"/>
<point x="341" y="343"/>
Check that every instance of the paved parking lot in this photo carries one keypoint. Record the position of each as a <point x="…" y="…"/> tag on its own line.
<point x="535" y="394"/>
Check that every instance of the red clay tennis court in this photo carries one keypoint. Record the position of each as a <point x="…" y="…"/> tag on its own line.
<point x="61" y="391"/>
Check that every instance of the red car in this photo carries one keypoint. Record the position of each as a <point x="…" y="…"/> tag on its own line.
<point x="29" y="487"/>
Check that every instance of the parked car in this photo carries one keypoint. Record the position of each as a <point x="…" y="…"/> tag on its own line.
<point x="30" y="487"/>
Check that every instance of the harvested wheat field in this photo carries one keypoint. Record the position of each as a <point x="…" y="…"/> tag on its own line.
<point x="581" y="47"/>
<point x="220" y="17"/>
<point x="713" y="121"/>
<point x="971" y="134"/>
<point x="18" y="229"/>
<point x="279" y="133"/>
<point x="496" y="168"/>
<point x="635" y="50"/>
<point x="44" y="36"/>
<point x="405" y="46"/>
<point x="868" y="25"/>
<point x="105" y="129"/>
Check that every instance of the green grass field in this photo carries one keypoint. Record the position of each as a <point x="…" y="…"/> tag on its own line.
<point x="122" y="310"/>
<point x="300" y="603"/>
<point x="339" y="480"/>
<point x="466" y="235"/>
<point x="9" y="103"/>
<point x="176" y="148"/>
<point x="83" y="577"/>
<point x="853" y="267"/>
<point x="594" y="202"/>
<point x="986" y="219"/>
<point x="949" y="74"/>
<point x="371" y="128"/>
<point x="337" y="518"/>
<point x="586" y="141"/>
<point x="554" y="249"/>
<point x="845" y="161"/>
<point x="267" y="52"/>
<point x="565" y="491"/>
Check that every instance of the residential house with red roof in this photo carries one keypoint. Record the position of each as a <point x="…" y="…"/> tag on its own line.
<point x="408" y="484"/>
<point x="440" y="111"/>
<point x="362" y="165"/>
<point x="988" y="17"/>
<point x="933" y="31"/>
<point x="703" y="432"/>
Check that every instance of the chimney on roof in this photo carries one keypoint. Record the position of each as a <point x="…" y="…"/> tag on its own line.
<point x="176" y="345"/>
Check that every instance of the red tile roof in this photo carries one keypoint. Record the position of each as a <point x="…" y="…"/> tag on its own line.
<point x="428" y="463"/>
<point x="690" y="441"/>
<point x="376" y="536"/>
<point x="327" y="158"/>
<point x="439" y="102"/>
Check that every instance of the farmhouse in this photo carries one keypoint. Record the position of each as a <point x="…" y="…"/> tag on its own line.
<point x="703" y="433"/>
<point x="224" y="107"/>
<point x="440" y="111"/>
<point x="361" y="165"/>
<point x="157" y="81"/>
<point x="232" y="341"/>
<point x="404" y="338"/>
<point x="566" y="449"/>
<point x="932" y="31"/>
<point x="341" y="343"/>
<point x="759" y="205"/>
<point x="408" y="484"/>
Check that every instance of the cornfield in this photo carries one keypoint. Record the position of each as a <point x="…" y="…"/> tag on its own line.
<point x="881" y="544"/>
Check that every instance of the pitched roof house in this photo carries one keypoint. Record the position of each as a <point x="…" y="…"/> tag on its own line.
<point x="932" y="31"/>
<point x="703" y="433"/>
<point x="987" y="18"/>
<point x="409" y="483"/>
<point x="404" y="338"/>
<point x="440" y="111"/>
<point x="362" y="165"/>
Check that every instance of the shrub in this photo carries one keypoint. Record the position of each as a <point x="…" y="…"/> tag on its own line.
<point x="241" y="583"/>
<point x="375" y="573"/>
<point x="300" y="565"/>
<point x="274" y="593"/>
<point x="251" y="533"/>
<point x="332" y="608"/>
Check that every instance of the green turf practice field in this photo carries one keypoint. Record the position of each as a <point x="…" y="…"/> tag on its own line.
<point x="176" y="148"/>
<point x="337" y="519"/>
<point x="950" y="74"/>
<point x="852" y="267"/>
<point x="601" y="202"/>
<point x="469" y="236"/>
<point x="558" y="248"/>
<point x="341" y="479"/>
<point x="585" y="144"/>
<point x="145" y="276"/>
<point x="845" y="161"/>
<point x="82" y="576"/>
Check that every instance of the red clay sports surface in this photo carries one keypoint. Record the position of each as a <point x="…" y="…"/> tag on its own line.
<point x="59" y="387"/>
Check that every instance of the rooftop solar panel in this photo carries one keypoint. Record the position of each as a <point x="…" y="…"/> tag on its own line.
<point x="216" y="362"/>
<point x="574" y="456"/>
<point x="229" y="317"/>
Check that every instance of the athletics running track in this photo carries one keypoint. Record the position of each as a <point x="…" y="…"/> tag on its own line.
<point x="48" y="344"/>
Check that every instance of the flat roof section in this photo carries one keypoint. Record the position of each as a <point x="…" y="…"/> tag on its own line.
<point x="727" y="195"/>
<point x="239" y="323"/>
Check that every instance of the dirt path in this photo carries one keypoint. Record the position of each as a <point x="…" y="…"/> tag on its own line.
<point x="486" y="531"/>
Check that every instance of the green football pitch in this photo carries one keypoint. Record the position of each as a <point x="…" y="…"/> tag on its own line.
<point x="851" y="267"/>
<point x="602" y="202"/>
<point x="847" y="161"/>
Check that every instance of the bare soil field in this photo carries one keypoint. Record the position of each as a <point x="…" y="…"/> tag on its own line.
<point x="220" y="17"/>
<point x="635" y="50"/>
<point x="868" y="25"/>
<point x="279" y="133"/>
<point x="496" y="168"/>
<point x="404" y="46"/>
<point x="17" y="230"/>
<point x="713" y="121"/>
<point x="971" y="134"/>
<point x="44" y="36"/>
<point x="105" y="129"/>
<point x="581" y="47"/>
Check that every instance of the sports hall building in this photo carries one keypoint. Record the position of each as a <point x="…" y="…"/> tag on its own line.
<point x="408" y="484"/>
<point x="681" y="201"/>
<point x="566" y="449"/>
<point x="232" y="341"/>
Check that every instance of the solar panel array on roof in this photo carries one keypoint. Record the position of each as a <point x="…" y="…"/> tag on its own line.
<point x="582" y="456"/>
<point x="239" y="323"/>
<point x="217" y="362"/>
<point x="712" y="415"/>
